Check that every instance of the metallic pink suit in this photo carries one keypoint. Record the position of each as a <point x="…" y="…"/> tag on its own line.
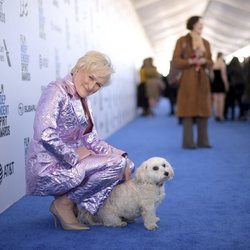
<point x="53" y="166"/>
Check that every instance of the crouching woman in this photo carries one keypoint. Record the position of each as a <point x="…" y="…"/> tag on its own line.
<point x="66" y="158"/>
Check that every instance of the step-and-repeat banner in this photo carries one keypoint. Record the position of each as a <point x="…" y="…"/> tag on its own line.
<point x="40" y="41"/>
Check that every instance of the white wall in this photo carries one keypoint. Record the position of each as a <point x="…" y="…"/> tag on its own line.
<point x="40" y="40"/>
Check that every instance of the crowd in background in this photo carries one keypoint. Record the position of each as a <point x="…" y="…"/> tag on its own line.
<point x="197" y="86"/>
<point x="150" y="87"/>
<point x="230" y="89"/>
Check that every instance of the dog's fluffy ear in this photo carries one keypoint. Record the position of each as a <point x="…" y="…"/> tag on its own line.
<point x="140" y="172"/>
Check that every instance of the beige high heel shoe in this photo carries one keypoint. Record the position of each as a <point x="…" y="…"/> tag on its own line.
<point x="65" y="225"/>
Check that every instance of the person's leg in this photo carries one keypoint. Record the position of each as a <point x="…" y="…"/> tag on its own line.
<point x="152" y="104"/>
<point x="202" y="141"/>
<point x="63" y="210"/>
<point x="215" y="104"/>
<point x="241" y="106"/>
<point x="232" y="103"/>
<point x="89" y="182"/>
<point x="103" y="173"/>
<point x="188" y="137"/>
<point x="223" y="105"/>
<point x="226" y="106"/>
<point x="221" y="101"/>
<point x="172" y="112"/>
<point x="143" y="99"/>
<point x="232" y="107"/>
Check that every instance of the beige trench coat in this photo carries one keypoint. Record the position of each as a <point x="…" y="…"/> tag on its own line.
<point x="194" y="95"/>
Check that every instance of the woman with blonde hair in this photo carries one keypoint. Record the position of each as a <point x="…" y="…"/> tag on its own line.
<point x="66" y="158"/>
<point x="219" y="87"/>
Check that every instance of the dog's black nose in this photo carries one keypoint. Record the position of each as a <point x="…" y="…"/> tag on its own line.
<point x="166" y="173"/>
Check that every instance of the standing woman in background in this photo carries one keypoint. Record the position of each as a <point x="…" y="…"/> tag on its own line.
<point x="193" y="56"/>
<point x="219" y="86"/>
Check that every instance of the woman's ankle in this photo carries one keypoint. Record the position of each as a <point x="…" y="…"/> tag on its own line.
<point x="64" y="201"/>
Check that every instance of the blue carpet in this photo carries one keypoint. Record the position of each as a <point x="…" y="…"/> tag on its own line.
<point x="207" y="204"/>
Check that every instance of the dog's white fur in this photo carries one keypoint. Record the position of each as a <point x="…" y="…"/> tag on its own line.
<point x="134" y="198"/>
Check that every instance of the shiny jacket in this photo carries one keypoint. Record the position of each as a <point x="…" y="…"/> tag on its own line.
<point x="52" y="165"/>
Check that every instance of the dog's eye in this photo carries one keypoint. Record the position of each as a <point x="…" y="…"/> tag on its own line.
<point x="155" y="168"/>
<point x="164" y="165"/>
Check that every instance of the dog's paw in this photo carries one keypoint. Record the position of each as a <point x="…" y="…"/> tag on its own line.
<point x="128" y="220"/>
<point x="157" y="219"/>
<point x="123" y="224"/>
<point x="115" y="224"/>
<point x="151" y="226"/>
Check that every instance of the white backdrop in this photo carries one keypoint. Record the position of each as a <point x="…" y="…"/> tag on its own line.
<point x="40" y="40"/>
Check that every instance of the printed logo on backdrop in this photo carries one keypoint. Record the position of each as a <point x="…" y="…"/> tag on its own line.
<point x="4" y="112"/>
<point x="76" y="11"/>
<point x="2" y="14"/>
<point x="1" y="174"/>
<point x="25" y="59"/>
<point x="57" y="64"/>
<point x="4" y="53"/>
<point x="6" y="170"/>
<point x="42" y="19"/>
<point x="55" y="3"/>
<point x="23" y="8"/>
<point x="67" y="33"/>
<point x="55" y="27"/>
<point x="26" y="141"/>
<point x="77" y="40"/>
<point x="100" y="126"/>
<point x="100" y="102"/>
<point x="43" y="62"/>
<point x="106" y="125"/>
<point x="22" y="108"/>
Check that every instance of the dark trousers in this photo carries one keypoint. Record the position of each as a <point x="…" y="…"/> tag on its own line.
<point x="142" y="99"/>
<point x="188" y="133"/>
<point x="233" y="97"/>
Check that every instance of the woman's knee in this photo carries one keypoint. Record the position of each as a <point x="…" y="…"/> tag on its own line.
<point x="119" y="161"/>
<point x="118" y="165"/>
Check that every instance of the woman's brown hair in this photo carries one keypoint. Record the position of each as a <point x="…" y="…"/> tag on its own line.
<point x="192" y="21"/>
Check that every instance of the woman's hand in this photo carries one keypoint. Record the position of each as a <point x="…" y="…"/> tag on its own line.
<point x="197" y="61"/>
<point x="83" y="152"/>
<point x="193" y="61"/>
<point x="127" y="173"/>
<point x="202" y="61"/>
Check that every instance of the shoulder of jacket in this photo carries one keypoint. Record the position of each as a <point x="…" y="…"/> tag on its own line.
<point x="56" y="87"/>
<point x="185" y="39"/>
<point x="182" y="38"/>
<point x="205" y="41"/>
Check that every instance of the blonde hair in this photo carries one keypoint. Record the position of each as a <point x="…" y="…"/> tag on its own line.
<point x="96" y="63"/>
<point x="219" y="63"/>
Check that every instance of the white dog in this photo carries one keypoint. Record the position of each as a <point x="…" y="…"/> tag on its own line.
<point x="134" y="198"/>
